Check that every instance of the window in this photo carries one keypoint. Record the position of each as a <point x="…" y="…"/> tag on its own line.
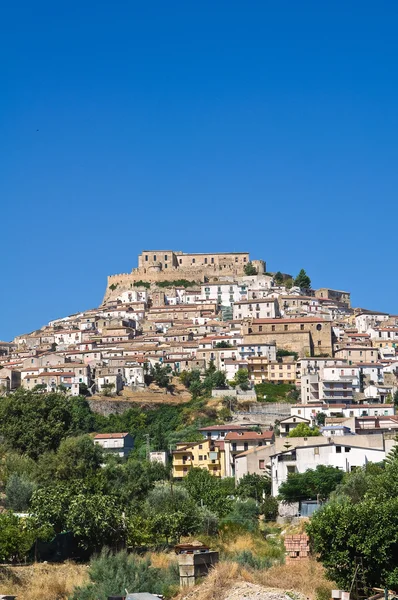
<point x="338" y="449"/>
<point x="301" y="327"/>
<point x="154" y="258"/>
<point x="246" y="446"/>
<point x="261" y="464"/>
<point x="319" y="327"/>
<point x="260" y="328"/>
<point x="200" y="446"/>
<point x="272" y="327"/>
<point x="234" y="447"/>
<point x="200" y="457"/>
<point x="205" y="261"/>
<point x="193" y="260"/>
<point x="244" y="259"/>
<point x="212" y="261"/>
<point x="146" y="257"/>
<point x="316" y="451"/>
<point x="347" y="449"/>
<point x="285" y="327"/>
<point x="165" y="258"/>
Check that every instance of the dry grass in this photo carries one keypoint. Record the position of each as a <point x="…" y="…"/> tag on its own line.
<point x="220" y="580"/>
<point x="162" y="560"/>
<point x="42" y="581"/>
<point x="302" y="576"/>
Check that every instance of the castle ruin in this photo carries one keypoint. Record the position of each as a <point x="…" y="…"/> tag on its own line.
<point x="171" y="265"/>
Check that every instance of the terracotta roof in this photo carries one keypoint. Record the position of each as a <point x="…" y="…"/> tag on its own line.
<point x="250" y="435"/>
<point x="108" y="436"/>
<point x="225" y="428"/>
<point x="301" y="320"/>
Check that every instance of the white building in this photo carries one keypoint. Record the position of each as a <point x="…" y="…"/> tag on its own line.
<point x="367" y="320"/>
<point x="344" y="453"/>
<point x="223" y="293"/>
<point x="264" y="308"/>
<point x="120" y="444"/>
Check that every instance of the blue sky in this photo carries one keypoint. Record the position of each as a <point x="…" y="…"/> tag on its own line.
<point x="268" y="127"/>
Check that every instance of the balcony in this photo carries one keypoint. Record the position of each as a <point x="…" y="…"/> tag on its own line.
<point x="291" y="456"/>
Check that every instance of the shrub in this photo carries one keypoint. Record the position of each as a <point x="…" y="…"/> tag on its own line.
<point x="247" y="559"/>
<point x="322" y="592"/>
<point x="18" y="492"/>
<point x="112" y="574"/>
<point x="269" y="508"/>
<point x="141" y="283"/>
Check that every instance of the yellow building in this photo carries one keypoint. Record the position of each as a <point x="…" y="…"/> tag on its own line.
<point x="206" y="454"/>
<point x="262" y="369"/>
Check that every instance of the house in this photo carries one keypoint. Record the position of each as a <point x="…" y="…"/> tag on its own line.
<point x="240" y="441"/>
<point x="111" y="379"/>
<point x="358" y="354"/>
<point x="336" y="295"/>
<point x="10" y="380"/>
<point x="282" y="370"/>
<point x="262" y="308"/>
<point x="120" y="444"/>
<point x="218" y="432"/>
<point x="208" y="454"/>
<point x="307" y="336"/>
<point x="343" y="452"/>
<point x="289" y="423"/>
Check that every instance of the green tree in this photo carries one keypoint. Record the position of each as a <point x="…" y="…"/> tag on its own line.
<point x="254" y="486"/>
<point x="207" y="490"/>
<point x="250" y="269"/>
<point x="321" y="419"/>
<point x="302" y="280"/>
<point x="243" y="515"/>
<point x="342" y="533"/>
<point x="76" y="458"/>
<point x="269" y="508"/>
<point x="17" y="536"/>
<point x="241" y="379"/>
<point x="161" y="375"/>
<point x="311" y="485"/>
<point x="33" y="422"/>
<point x="19" y="490"/>
<point x="303" y="430"/>
<point x="278" y="278"/>
<point x="95" y="520"/>
<point x="107" y="389"/>
<point x="223" y="345"/>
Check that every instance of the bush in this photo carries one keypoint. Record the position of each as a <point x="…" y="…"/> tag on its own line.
<point x="243" y="516"/>
<point x="140" y="283"/>
<point x="247" y="559"/>
<point x="323" y="592"/>
<point x="176" y="283"/>
<point x="19" y="491"/>
<point x="112" y="574"/>
<point x="269" y="508"/>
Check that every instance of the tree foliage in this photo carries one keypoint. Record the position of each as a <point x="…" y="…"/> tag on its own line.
<point x="304" y="430"/>
<point x="302" y="280"/>
<point x="250" y="269"/>
<point x="34" y="423"/>
<point x="254" y="486"/>
<point x="311" y="485"/>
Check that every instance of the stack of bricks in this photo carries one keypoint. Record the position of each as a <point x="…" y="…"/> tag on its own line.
<point x="297" y="547"/>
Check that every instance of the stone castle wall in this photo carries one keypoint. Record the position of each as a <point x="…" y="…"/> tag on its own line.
<point x="155" y="271"/>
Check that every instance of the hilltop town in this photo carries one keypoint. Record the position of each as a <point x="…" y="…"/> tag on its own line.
<point x="288" y="355"/>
